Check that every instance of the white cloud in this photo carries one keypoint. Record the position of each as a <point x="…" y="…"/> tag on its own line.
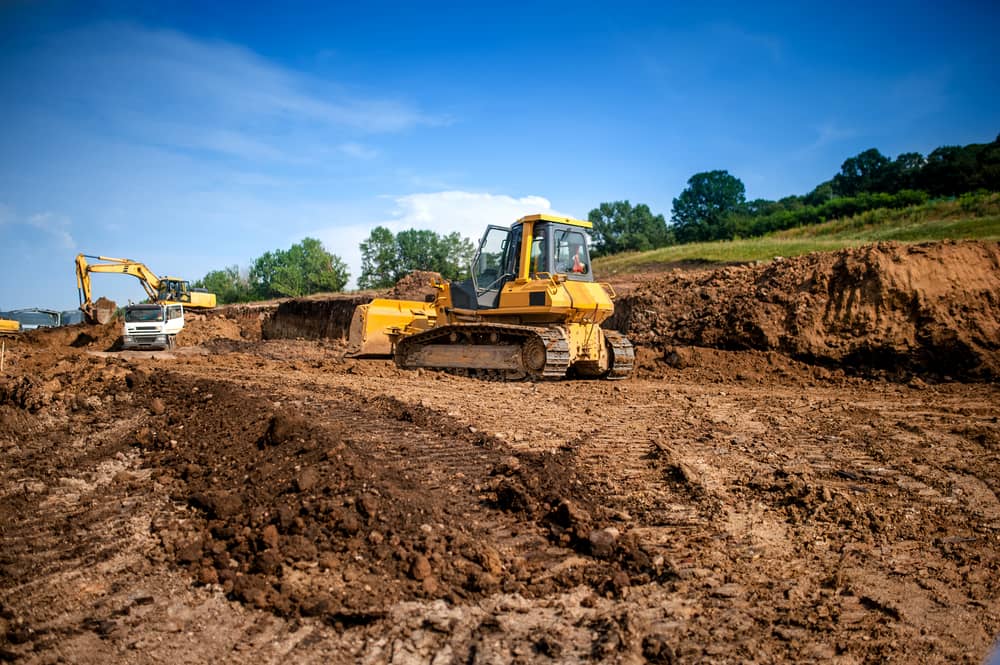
<point x="468" y="213"/>
<point x="166" y="88"/>
<point x="53" y="225"/>
<point x="465" y="212"/>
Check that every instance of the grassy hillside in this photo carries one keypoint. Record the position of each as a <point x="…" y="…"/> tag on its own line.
<point x="972" y="216"/>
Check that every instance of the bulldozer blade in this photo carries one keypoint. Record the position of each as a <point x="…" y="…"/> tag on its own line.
<point x="373" y="323"/>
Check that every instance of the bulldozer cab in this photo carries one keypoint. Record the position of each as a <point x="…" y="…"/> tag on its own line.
<point x="557" y="247"/>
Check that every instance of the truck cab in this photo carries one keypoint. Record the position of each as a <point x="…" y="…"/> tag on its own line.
<point x="151" y="326"/>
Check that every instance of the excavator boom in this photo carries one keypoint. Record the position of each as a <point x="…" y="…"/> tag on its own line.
<point x="161" y="290"/>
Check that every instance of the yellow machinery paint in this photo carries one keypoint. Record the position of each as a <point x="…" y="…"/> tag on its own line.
<point x="532" y="307"/>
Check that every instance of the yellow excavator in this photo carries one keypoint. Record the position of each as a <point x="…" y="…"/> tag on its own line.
<point x="161" y="290"/>
<point x="531" y="308"/>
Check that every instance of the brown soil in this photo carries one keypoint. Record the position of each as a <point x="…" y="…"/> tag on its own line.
<point x="930" y="309"/>
<point x="267" y="500"/>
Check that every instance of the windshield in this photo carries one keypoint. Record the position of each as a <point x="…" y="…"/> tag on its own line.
<point x="144" y="314"/>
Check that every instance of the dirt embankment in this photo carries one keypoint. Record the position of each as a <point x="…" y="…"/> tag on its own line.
<point x="929" y="309"/>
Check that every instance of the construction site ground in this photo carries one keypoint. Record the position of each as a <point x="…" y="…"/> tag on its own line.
<point x="254" y="500"/>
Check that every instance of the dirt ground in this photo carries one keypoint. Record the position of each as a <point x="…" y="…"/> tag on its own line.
<point x="795" y="473"/>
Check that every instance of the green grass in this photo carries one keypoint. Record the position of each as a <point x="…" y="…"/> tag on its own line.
<point x="972" y="216"/>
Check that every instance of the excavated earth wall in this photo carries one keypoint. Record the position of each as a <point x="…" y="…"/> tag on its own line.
<point x="931" y="308"/>
<point x="307" y="318"/>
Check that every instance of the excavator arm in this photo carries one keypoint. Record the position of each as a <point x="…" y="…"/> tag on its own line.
<point x="150" y="282"/>
<point x="160" y="290"/>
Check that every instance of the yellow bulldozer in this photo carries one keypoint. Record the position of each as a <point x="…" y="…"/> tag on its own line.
<point x="161" y="290"/>
<point x="531" y="308"/>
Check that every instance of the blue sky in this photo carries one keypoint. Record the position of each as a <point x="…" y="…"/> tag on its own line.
<point x="193" y="136"/>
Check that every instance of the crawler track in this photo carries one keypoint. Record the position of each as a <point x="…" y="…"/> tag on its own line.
<point x="527" y="345"/>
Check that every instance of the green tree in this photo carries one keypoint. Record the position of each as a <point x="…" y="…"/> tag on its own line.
<point x="820" y="194"/>
<point x="378" y="260"/>
<point x="456" y="256"/>
<point x="304" y="268"/>
<point x="417" y="250"/>
<point x="619" y="227"/>
<point x="387" y="258"/>
<point x="702" y="211"/>
<point x="905" y="172"/>
<point x="868" y="171"/>
<point x="227" y="285"/>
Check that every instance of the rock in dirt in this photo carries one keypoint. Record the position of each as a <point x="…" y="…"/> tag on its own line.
<point x="306" y="480"/>
<point x="269" y="536"/>
<point x="218" y="504"/>
<point x="571" y="516"/>
<point x="420" y="568"/>
<point x="603" y="542"/>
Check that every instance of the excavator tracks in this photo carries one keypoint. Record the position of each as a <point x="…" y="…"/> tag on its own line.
<point x="536" y="352"/>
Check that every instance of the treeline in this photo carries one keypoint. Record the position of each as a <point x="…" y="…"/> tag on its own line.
<point x="386" y="257"/>
<point x="307" y="267"/>
<point x="304" y="268"/>
<point x="743" y="225"/>
<point x="713" y="206"/>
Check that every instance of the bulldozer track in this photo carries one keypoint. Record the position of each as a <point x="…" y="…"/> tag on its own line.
<point x="552" y="339"/>
<point x="623" y="354"/>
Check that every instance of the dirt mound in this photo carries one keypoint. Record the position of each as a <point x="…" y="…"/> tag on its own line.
<point x="416" y="286"/>
<point x="200" y="329"/>
<point x="931" y="308"/>
<point x="80" y="335"/>
<point x="312" y="520"/>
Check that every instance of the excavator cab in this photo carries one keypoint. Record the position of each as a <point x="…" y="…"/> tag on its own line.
<point x="173" y="289"/>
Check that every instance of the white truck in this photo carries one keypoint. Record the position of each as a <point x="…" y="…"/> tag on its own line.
<point x="150" y="326"/>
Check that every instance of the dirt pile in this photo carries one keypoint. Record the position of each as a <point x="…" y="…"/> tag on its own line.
<point x="310" y="519"/>
<point x="416" y="286"/>
<point x="200" y="329"/>
<point x="931" y="308"/>
<point x="97" y="337"/>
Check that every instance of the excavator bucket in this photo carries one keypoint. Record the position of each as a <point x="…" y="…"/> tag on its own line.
<point x="374" y="324"/>
<point x="99" y="312"/>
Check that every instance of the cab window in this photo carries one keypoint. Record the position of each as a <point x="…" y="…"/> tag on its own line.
<point x="539" y="252"/>
<point x="570" y="255"/>
<point x="489" y="263"/>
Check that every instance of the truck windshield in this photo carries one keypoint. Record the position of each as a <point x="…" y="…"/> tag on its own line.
<point x="143" y="315"/>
